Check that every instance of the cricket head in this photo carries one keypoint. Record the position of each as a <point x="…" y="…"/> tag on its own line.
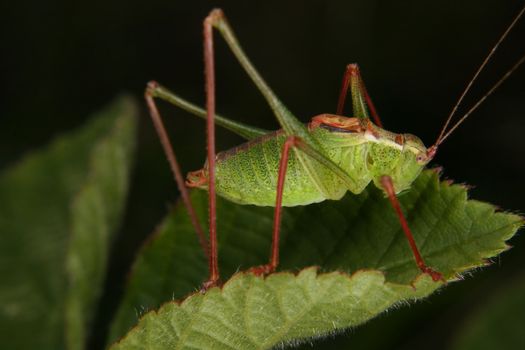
<point x="402" y="160"/>
<point x="414" y="157"/>
<point x="422" y="154"/>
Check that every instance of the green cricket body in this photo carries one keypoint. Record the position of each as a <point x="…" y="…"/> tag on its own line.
<point x="247" y="174"/>
<point x="331" y="155"/>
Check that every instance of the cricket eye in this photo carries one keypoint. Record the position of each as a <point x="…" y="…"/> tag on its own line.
<point x="420" y="158"/>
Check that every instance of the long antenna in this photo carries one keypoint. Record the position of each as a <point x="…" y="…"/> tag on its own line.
<point x="480" y="69"/>
<point x="509" y="72"/>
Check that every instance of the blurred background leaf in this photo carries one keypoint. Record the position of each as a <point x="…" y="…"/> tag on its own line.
<point x="63" y="60"/>
<point x="59" y="210"/>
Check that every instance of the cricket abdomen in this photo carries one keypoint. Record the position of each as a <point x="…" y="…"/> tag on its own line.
<point x="247" y="174"/>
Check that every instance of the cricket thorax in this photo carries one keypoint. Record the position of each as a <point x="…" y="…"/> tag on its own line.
<point x="400" y="156"/>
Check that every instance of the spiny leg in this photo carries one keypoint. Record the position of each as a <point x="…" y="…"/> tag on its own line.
<point x="209" y="72"/>
<point x="291" y="141"/>
<point x="174" y="164"/>
<point x="216" y="19"/>
<point x="352" y="77"/>
<point x="386" y="181"/>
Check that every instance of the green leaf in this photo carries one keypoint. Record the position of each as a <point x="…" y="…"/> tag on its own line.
<point x="498" y="323"/>
<point x="59" y="210"/>
<point x="356" y="236"/>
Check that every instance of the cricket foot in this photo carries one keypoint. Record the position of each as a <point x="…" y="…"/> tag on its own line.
<point x="436" y="276"/>
<point x="262" y="270"/>
<point x="210" y="284"/>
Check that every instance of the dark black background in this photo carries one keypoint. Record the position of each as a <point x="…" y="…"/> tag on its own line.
<point x="62" y="60"/>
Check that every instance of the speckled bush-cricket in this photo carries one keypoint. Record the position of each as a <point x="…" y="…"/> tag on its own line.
<point x="332" y="154"/>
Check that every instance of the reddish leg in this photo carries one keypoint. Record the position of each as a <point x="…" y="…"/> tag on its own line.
<point x="291" y="141"/>
<point x="386" y="181"/>
<point x="172" y="160"/>
<point x="209" y="70"/>
<point x="353" y="76"/>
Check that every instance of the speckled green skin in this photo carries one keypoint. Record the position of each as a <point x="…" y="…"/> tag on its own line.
<point x="247" y="174"/>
